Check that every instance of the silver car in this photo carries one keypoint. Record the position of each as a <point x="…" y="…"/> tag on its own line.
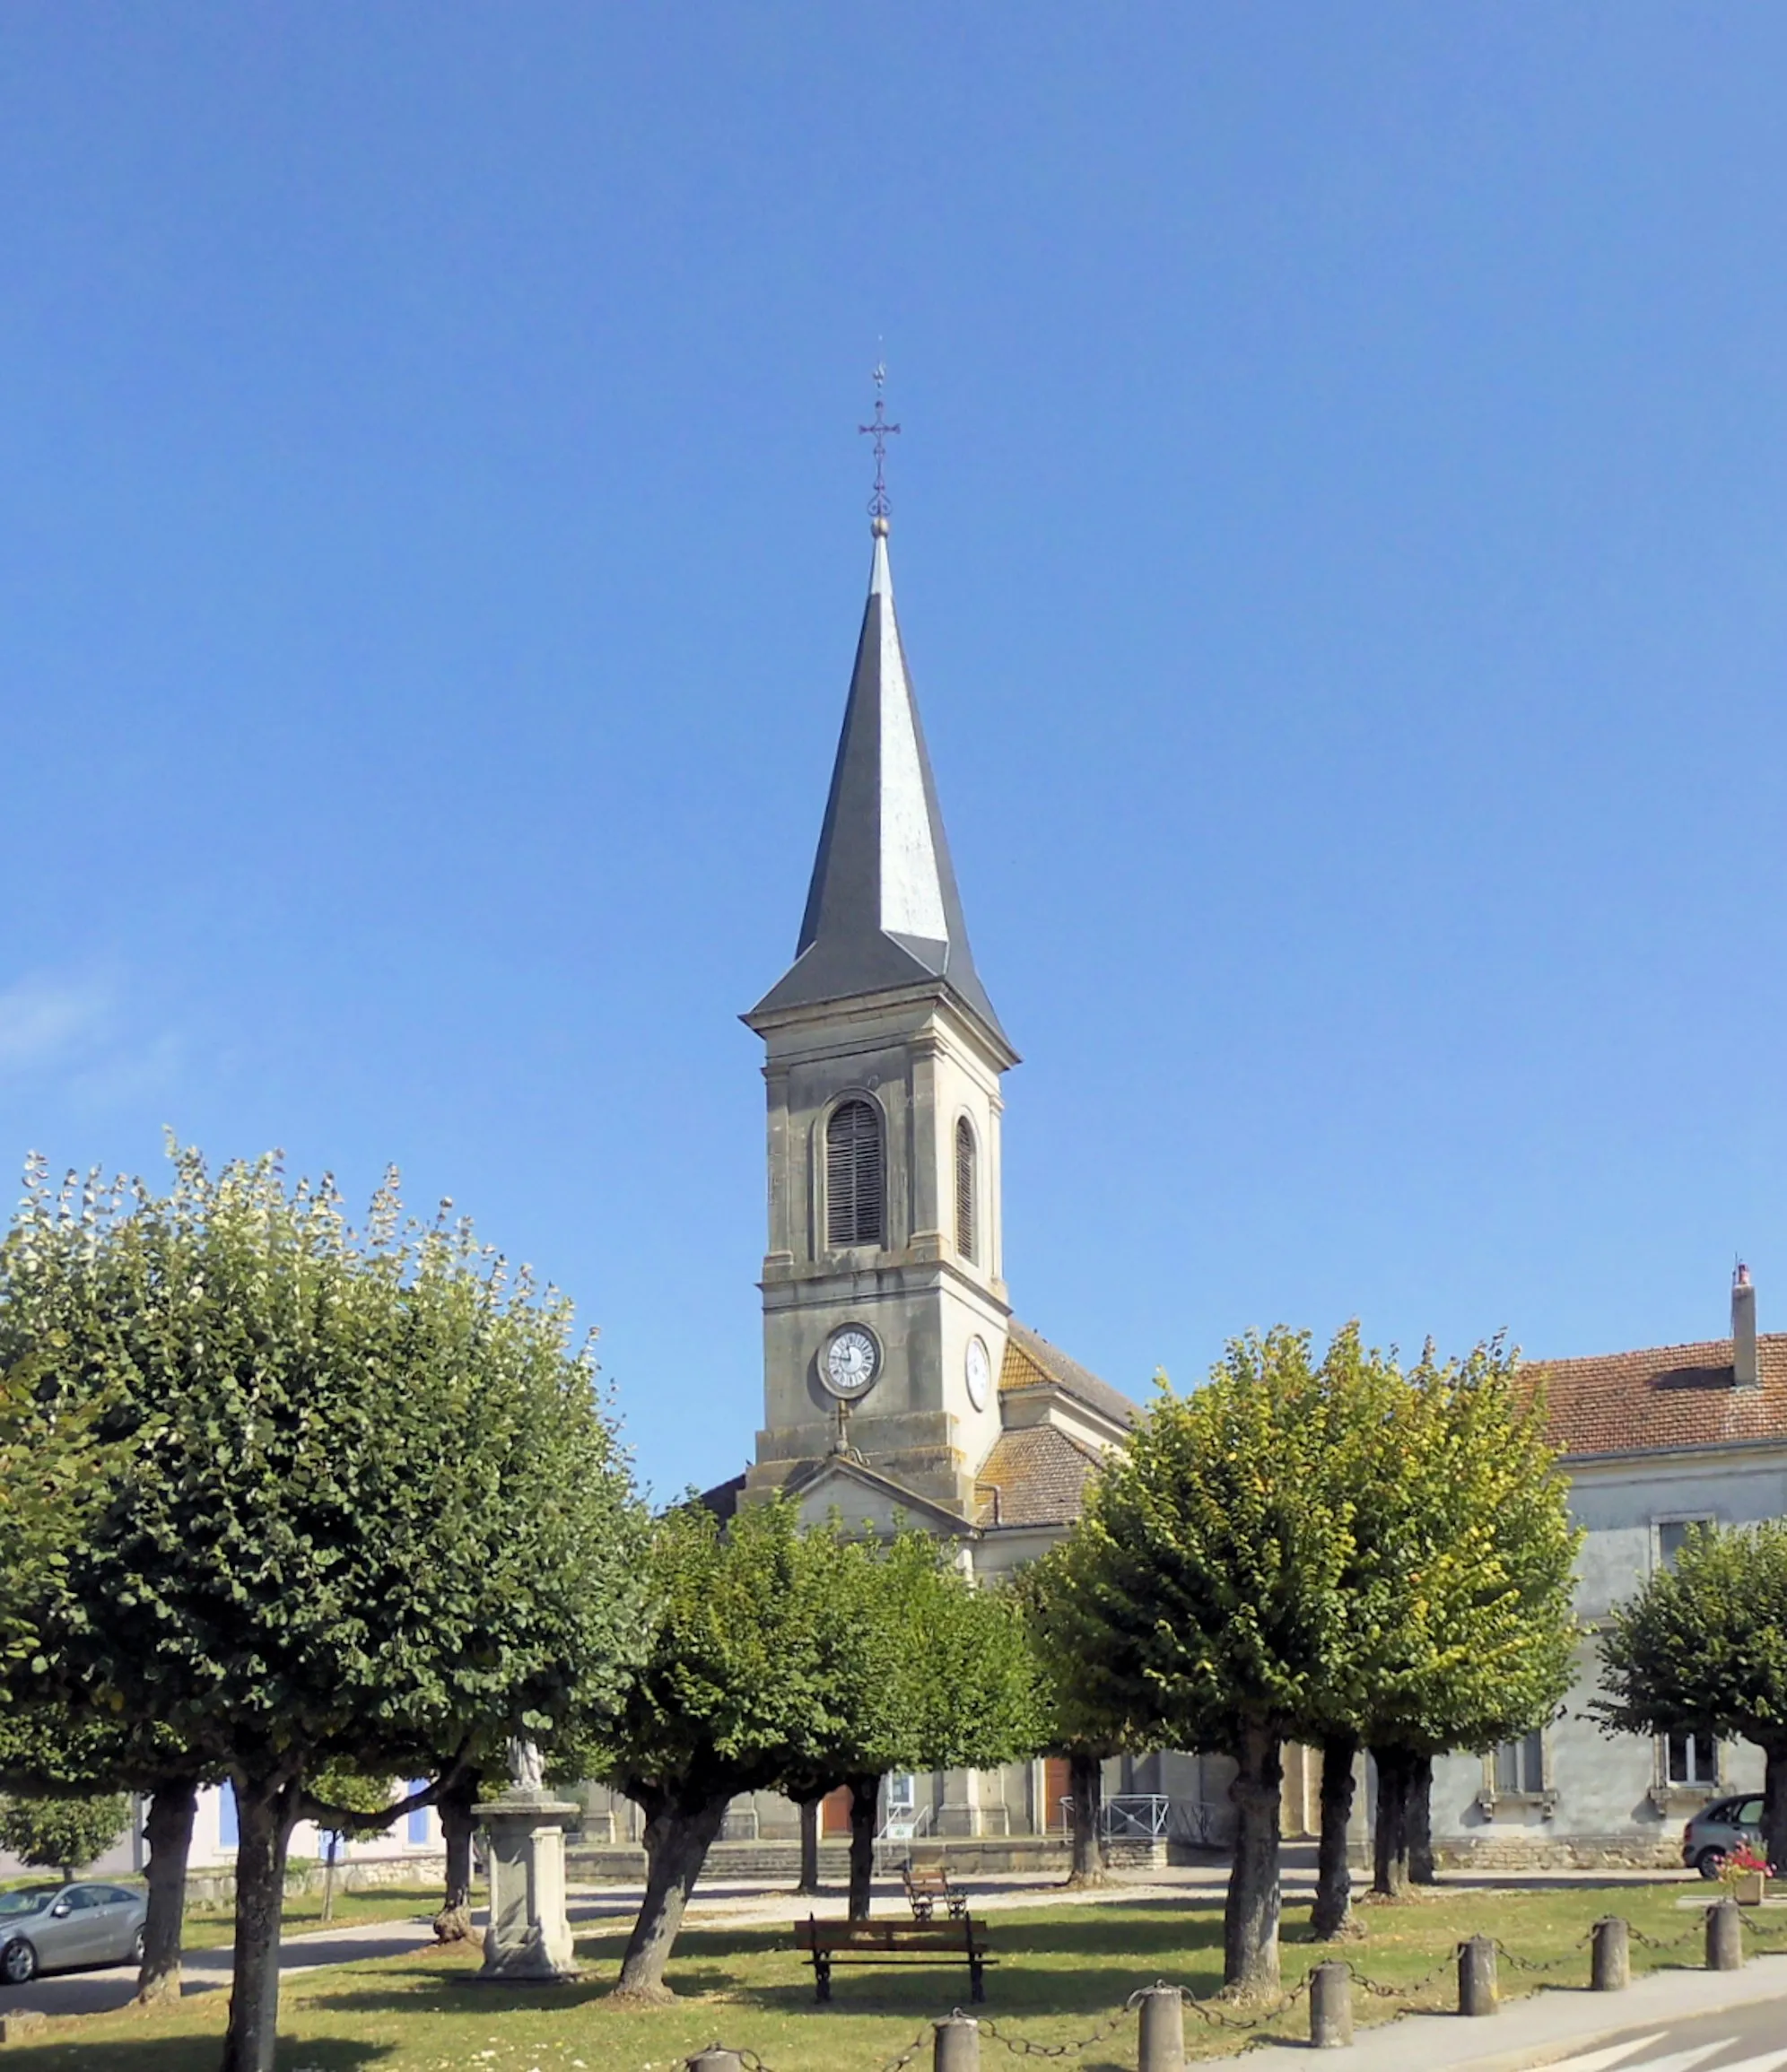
<point x="57" y="1927"/>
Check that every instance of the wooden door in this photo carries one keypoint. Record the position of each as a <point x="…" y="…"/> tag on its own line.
<point x="834" y="1811"/>
<point x="1057" y="1786"/>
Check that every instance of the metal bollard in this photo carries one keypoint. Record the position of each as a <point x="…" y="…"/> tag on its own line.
<point x="1725" y="1936"/>
<point x="1330" y="2006"/>
<point x="1610" y="1956"/>
<point x="714" y="2059"/>
<point x="958" y="2045"/>
<point x="1163" y="2039"/>
<point x="1476" y="1976"/>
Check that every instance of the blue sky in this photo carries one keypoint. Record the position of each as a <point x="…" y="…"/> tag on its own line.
<point x="1342" y="552"/>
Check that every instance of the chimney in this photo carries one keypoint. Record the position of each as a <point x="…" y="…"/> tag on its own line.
<point x="1745" y="1371"/>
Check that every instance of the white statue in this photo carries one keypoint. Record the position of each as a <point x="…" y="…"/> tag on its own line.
<point x="526" y="1771"/>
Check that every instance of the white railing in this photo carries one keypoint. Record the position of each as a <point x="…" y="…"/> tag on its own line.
<point x="1136" y="1816"/>
<point x="904" y="1825"/>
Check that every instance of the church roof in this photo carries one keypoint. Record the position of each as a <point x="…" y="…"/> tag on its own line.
<point x="882" y="910"/>
<point x="1031" y="1360"/>
<point x="1035" y="1475"/>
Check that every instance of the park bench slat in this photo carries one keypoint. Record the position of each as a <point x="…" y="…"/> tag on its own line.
<point x="847" y="1942"/>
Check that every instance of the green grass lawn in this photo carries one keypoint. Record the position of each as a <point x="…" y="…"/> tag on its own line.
<point x="208" y="1927"/>
<point x="1063" y="1969"/>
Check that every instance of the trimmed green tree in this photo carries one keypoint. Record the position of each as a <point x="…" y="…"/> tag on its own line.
<point x="750" y="1666"/>
<point x="1465" y="1575"/>
<point x="367" y="1504"/>
<point x="1212" y="1597"/>
<point x="1702" y="1649"/>
<point x="65" y="1834"/>
<point x="1085" y="1717"/>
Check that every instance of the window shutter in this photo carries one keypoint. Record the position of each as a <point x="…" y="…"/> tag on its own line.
<point x="854" y="1183"/>
<point x="965" y="1189"/>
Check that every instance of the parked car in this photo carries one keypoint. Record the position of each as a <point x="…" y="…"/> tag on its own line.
<point x="1717" y="1829"/>
<point x="57" y="1928"/>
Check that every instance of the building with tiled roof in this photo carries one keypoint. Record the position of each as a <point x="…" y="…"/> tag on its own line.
<point x="1654" y="1442"/>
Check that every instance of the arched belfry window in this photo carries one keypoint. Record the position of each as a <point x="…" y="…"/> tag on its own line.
<point x="965" y="1234"/>
<point x="854" y="1184"/>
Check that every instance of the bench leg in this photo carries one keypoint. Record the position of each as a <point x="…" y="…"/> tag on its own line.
<point x="977" y="1980"/>
<point x="822" y="1977"/>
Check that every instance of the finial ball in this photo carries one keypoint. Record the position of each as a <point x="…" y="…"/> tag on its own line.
<point x="879" y="525"/>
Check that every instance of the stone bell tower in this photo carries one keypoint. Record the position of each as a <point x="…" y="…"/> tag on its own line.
<point x="885" y="1309"/>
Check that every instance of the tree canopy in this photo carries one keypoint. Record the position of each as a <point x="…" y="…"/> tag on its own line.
<point x="364" y="1500"/>
<point x="1703" y="1648"/>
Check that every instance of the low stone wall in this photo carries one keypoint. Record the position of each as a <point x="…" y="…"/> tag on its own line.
<point x="1518" y="1850"/>
<point x="772" y="1862"/>
<point x="217" y="1888"/>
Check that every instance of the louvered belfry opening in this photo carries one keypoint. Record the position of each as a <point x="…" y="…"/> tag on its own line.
<point x="964" y="1190"/>
<point x="854" y="1187"/>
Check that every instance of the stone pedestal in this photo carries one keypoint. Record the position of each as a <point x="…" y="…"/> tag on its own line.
<point x="528" y="1939"/>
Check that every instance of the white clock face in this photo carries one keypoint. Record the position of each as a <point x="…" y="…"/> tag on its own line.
<point x="851" y="1362"/>
<point x="977" y="1371"/>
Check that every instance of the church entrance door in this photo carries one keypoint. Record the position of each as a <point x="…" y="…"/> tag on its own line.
<point x="1057" y="1789"/>
<point x="834" y="1812"/>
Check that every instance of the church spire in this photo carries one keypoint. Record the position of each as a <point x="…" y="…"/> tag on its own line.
<point x="882" y="909"/>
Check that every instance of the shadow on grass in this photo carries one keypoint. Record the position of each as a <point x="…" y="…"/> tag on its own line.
<point x="183" y="2054"/>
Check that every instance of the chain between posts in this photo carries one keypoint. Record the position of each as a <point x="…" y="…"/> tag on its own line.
<point x="911" y="2050"/>
<point x="1679" y="1942"/>
<point x="1022" y="2047"/>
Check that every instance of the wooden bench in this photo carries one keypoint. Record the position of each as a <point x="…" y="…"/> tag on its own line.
<point x="830" y="1943"/>
<point x="925" y="1888"/>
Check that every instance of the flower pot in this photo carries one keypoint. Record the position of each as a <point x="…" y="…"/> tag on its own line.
<point x="1747" y="1886"/>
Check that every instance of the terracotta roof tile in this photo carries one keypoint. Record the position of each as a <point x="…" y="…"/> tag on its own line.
<point x="1030" y="1359"/>
<point x="1041" y="1475"/>
<point x="1669" y="1395"/>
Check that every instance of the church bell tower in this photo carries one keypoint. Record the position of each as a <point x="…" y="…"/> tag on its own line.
<point x="885" y="1309"/>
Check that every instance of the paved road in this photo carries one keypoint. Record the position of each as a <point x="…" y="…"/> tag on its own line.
<point x="1751" y="2039"/>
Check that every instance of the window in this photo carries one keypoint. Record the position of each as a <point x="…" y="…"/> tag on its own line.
<point x="1691" y="1759"/>
<point x="965" y="1189"/>
<point x="1519" y="1765"/>
<point x="902" y="1791"/>
<point x="1672" y="1535"/>
<point x="853" y="1175"/>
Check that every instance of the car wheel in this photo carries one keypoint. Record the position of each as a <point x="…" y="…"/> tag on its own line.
<point x="139" y="1942"/>
<point x="18" y="1962"/>
<point x="1709" y="1862"/>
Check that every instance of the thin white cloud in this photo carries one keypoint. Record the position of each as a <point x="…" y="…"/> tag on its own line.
<point x="46" y="1021"/>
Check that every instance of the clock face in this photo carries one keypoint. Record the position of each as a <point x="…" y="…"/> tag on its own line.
<point x="978" y="1371"/>
<point x="851" y="1362"/>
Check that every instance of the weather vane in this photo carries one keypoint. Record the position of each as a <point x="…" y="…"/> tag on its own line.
<point x="878" y="506"/>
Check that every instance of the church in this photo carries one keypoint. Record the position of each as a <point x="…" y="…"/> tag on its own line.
<point x="897" y="1383"/>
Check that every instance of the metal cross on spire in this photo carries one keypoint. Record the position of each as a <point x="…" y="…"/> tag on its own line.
<point x="878" y="505"/>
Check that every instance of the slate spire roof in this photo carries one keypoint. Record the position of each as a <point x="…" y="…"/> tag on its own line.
<point x="882" y="910"/>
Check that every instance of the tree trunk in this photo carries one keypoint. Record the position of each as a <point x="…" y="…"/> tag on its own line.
<point x="809" y="1846"/>
<point x="1250" y="1917"/>
<point x="1421" y="1868"/>
<point x="453" y="1923"/>
<point x="1086" y="1781"/>
<point x="267" y="1811"/>
<point x="1332" y="1914"/>
<point x="1775" y="1803"/>
<point x="169" y="1829"/>
<point x="677" y="1839"/>
<point x="864" y="1796"/>
<point x="329" y="1878"/>
<point x="1390" y="1854"/>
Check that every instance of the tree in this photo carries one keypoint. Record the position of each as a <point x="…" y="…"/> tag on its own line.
<point x="367" y="1504"/>
<point x="745" y="1676"/>
<point x="960" y="1689"/>
<point x="65" y="1834"/>
<point x="1465" y="1571"/>
<point x="1212" y="1599"/>
<point x="1083" y="1717"/>
<point x="1702" y="1649"/>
